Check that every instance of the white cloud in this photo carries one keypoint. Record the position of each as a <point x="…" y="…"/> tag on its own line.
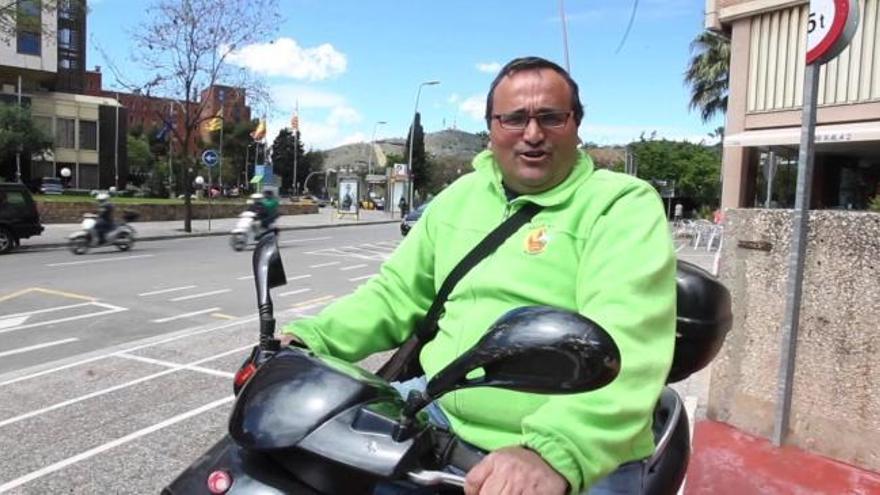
<point x="490" y="67"/>
<point x="453" y="98"/>
<point x="285" y="58"/>
<point x="287" y="95"/>
<point x="475" y="106"/>
<point x="343" y="115"/>
<point x="357" y="137"/>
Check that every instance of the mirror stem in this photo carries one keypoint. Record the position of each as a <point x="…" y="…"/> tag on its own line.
<point x="415" y="401"/>
<point x="267" y="328"/>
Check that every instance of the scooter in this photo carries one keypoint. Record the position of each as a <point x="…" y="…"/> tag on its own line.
<point x="122" y="236"/>
<point x="247" y="230"/>
<point x="309" y="424"/>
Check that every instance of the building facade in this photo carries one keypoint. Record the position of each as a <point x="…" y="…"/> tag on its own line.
<point x="762" y="132"/>
<point x="44" y="69"/>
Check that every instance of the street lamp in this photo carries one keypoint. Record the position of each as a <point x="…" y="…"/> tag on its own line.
<point x="327" y="179"/>
<point x="412" y="132"/>
<point x="372" y="140"/>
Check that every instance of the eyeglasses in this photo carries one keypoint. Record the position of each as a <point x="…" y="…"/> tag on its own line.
<point x="517" y="121"/>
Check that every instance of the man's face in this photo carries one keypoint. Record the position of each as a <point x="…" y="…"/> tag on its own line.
<point x="536" y="158"/>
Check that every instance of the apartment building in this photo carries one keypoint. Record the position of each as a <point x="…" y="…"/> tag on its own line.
<point x="762" y="132"/>
<point x="43" y="68"/>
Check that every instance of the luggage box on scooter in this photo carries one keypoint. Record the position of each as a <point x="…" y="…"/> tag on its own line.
<point x="702" y="322"/>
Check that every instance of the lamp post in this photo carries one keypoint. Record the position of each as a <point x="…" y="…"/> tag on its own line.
<point x="412" y="132"/>
<point x="372" y="145"/>
<point x="327" y="180"/>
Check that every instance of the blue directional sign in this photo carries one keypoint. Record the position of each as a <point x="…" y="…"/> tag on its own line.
<point x="210" y="158"/>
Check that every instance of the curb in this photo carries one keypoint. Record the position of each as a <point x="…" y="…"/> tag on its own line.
<point x="161" y="237"/>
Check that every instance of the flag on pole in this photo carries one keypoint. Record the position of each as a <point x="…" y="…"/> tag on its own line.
<point x="164" y="131"/>
<point x="294" y="121"/>
<point x="216" y="123"/>
<point x="260" y="132"/>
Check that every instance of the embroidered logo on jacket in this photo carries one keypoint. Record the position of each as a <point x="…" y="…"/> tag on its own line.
<point x="536" y="240"/>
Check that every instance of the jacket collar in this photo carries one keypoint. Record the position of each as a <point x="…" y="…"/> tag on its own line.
<point x="487" y="167"/>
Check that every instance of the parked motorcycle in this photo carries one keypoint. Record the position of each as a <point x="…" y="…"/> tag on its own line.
<point x="247" y="230"/>
<point x="122" y="236"/>
<point x="308" y="424"/>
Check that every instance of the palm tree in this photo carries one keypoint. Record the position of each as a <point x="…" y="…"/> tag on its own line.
<point x="707" y="74"/>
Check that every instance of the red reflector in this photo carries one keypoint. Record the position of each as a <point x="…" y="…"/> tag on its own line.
<point x="219" y="482"/>
<point x="244" y="374"/>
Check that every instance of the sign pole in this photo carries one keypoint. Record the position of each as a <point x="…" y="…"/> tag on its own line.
<point x="830" y="27"/>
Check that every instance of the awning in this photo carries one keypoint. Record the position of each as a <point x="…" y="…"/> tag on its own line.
<point x="838" y="133"/>
<point x="256" y="179"/>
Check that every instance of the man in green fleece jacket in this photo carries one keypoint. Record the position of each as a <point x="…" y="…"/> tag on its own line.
<point x="600" y="246"/>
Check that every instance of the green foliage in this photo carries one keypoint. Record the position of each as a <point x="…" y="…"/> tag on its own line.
<point x="140" y="159"/>
<point x="419" y="159"/>
<point x="284" y="149"/>
<point x="708" y="74"/>
<point x="18" y="133"/>
<point x="694" y="167"/>
<point x="238" y="150"/>
<point x="874" y="205"/>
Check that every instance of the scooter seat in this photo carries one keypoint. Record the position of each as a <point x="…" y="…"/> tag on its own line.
<point x="667" y="467"/>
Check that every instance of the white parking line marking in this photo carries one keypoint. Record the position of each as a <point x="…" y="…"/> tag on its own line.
<point x="322" y="265"/>
<point x="175" y="366"/>
<point x="361" y="278"/>
<point x="291" y="241"/>
<point x="121" y="386"/>
<point x="102" y="260"/>
<point x="298" y="277"/>
<point x="112" y="444"/>
<point x="351" y="267"/>
<point x="163" y="291"/>
<point x="13" y="322"/>
<point x="246" y="277"/>
<point x="298" y="291"/>
<point x="180" y="334"/>
<point x="112" y="309"/>
<point x="185" y="315"/>
<point x="203" y="294"/>
<point x="47" y="310"/>
<point x="38" y="346"/>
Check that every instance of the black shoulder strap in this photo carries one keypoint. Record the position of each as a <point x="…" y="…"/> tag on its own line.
<point x="404" y="363"/>
<point x="487" y="246"/>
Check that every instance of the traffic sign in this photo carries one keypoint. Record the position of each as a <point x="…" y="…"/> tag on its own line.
<point x="210" y="158"/>
<point x="830" y="27"/>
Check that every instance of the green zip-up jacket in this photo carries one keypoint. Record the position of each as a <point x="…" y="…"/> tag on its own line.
<point x="600" y="246"/>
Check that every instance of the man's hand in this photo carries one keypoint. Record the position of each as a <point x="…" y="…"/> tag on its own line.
<point x="287" y="339"/>
<point x="514" y="471"/>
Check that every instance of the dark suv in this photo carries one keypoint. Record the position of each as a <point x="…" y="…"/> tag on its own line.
<point x="18" y="215"/>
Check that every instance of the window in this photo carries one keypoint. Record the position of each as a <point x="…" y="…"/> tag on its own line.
<point x="27" y="26"/>
<point x="28" y="43"/>
<point x="88" y="135"/>
<point x="15" y="198"/>
<point x="65" y="133"/>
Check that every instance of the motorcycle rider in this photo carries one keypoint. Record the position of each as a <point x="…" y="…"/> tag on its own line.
<point x="600" y="246"/>
<point x="104" y="222"/>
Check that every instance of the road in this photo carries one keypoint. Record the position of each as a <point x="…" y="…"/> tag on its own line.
<point x="145" y="387"/>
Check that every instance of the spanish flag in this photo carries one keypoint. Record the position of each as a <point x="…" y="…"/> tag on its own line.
<point x="216" y="123"/>
<point x="260" y="132"/>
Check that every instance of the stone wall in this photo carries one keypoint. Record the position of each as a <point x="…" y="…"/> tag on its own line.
<point x="836" y="394"/>
<point x="51" y="212"/>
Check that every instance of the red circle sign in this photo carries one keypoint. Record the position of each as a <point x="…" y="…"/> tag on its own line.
<point x="830" y="27"/>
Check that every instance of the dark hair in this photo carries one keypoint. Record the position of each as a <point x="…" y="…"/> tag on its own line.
<point x="534" y="63"/>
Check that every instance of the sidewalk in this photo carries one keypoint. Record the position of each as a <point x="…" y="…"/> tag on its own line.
<point x="55" y="234"/>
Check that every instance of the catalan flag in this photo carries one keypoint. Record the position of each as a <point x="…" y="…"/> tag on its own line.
<point x="216" y="123"/>
<point x="260" y="132"/>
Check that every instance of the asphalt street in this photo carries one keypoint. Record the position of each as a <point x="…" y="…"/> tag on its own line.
<point x="115" y="368"/>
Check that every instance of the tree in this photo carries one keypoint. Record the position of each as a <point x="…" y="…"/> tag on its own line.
<point x="708" y="74"/>
<point x="238" y="150"/>
<point x="284" y="148"/>
<point x="140" y="159"/>
<point x="19" y="134"/>
<point x="695" y="168"/>
<point x="419" y="163"/>
<point x="185" y="44"/>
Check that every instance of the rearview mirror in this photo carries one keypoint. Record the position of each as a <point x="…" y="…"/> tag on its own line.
<point x="536" y="349"/>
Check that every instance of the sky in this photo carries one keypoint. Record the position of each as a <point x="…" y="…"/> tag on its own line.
<point x="352" y="63"/>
